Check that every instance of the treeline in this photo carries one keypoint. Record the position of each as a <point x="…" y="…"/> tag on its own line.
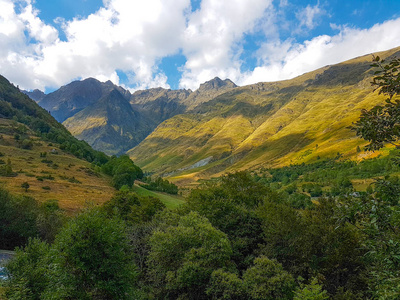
<point x="160" y="185"/>
<point x="329" y="177"/>
<point x="234" y="239"/>
<point x="327" y="170"/>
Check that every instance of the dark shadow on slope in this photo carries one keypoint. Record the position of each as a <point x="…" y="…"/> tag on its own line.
<point x="270" y="151"/>
<point x="234" y="103"/>
<point x="343" y="74"/>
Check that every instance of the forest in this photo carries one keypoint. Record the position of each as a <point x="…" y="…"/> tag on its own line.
<point x="233" y="239"/>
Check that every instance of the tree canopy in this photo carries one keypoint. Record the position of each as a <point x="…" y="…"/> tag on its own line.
<point x="381" y="124"/>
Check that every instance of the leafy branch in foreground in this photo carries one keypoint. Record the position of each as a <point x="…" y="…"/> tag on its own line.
<point x="381" y="124"/>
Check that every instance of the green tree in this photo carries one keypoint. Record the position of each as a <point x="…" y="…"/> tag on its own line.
<point x="50" y="219"/>
<point x="377" y="217"/>
<point x="381" y="124"/>
<point x="133" y="208"/>
<point x="25" y="186"/>
<point x="312" y="291"/>
<point x="226" y="285"/>
<point x="230" y="206"/>
<point x="91" y="259"/>
<point x="18" y="216"/>
<point x="123" y="171"/>
<point x="267" y="280"/>
<point x="29" y="271"/>
<point x="314" y="242"/>
<point x="184" y="254"/>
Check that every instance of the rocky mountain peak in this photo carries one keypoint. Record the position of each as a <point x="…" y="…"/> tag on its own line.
<point x="36" y="94"/>
<point x="216" y="84"/>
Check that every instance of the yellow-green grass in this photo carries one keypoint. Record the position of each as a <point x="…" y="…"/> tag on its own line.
<point x="361" y="184"/>
<point x="66" y="178"/>
<point x="170" y="201"/>
<point x="307" y="120"/>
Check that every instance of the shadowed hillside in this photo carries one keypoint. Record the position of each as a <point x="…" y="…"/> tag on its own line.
<point x="110" y="124"/>
<point x="73" y="97"/>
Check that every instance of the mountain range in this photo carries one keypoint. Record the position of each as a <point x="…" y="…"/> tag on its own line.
<point x="113" y="120"/>
<point x="189" y="135"/>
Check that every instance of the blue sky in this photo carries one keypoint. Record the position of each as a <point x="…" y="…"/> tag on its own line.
<point x="182" y="43"/>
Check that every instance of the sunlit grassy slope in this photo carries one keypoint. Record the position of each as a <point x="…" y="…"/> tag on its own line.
<point x="170" y="201"/>
<point x="266" y="124"/>
<point x="58" y="175"/>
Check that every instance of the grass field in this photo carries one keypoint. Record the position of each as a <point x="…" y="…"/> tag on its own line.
<point x="170" y="201"/>
<point x="51" y="173"/>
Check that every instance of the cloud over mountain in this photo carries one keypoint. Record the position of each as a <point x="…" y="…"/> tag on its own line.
<point x="126" y="41"/>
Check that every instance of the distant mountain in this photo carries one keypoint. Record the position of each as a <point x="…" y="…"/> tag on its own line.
<point x="209" y="90"/>
<point x="160" y="104"/>
<point x="72" y="98"/>
<point x="36" y="95"/>
<point x="264" y="124"/>
<point x="110" y="124"/>
<point x="83" y="108"/>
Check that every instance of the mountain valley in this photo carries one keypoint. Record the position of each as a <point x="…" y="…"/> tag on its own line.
<point x="189" y="135"/>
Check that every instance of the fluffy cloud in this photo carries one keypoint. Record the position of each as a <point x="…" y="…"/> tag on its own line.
<point x="308" y="16"/>
<point x="291" y="59"/>
<point x="212" y="38"/>
<point x="133" y="36"/>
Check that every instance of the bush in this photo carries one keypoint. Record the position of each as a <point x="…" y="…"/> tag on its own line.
<point x="161" y="185"/>
<point x="18" y="217"/>
<point x="123" y="171"/>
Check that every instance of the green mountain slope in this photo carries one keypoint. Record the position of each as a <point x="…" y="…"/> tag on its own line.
<point x="266" y="124"/>
<point x="37" y="150"/>
<point x="110" y="124"/>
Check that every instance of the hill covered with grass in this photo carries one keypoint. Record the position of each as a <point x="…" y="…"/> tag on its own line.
<point x="266" y="125"/>
<point x="39" y="153"/>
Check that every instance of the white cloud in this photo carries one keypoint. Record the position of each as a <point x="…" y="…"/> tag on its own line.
<point x="134" y="35"/>
<point x="212" y="38"/>
<point x="39" y="31"/>
<point x="283" y="3"/>
<point x="324" y="50"/>
<point x="308" y="15"/>
<point x="131" y="36"/>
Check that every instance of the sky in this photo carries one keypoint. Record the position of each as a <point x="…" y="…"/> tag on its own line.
<point x="142" y="44"/>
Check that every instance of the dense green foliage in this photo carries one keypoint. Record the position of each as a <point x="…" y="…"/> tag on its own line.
<point x="327" y="177"/>
<point x="89" y="259"/>
<point x="132" y="208"/>
<point x="160" y="185"/>
<point x="17" y="219"/>
<point x="21" y="218"/>
<point x="381" y="124"/>
<point x="123" y="171"/>
<point x="231" y="207"/>
<point x="236" y="238"/>
<point x="183" y="254"/>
